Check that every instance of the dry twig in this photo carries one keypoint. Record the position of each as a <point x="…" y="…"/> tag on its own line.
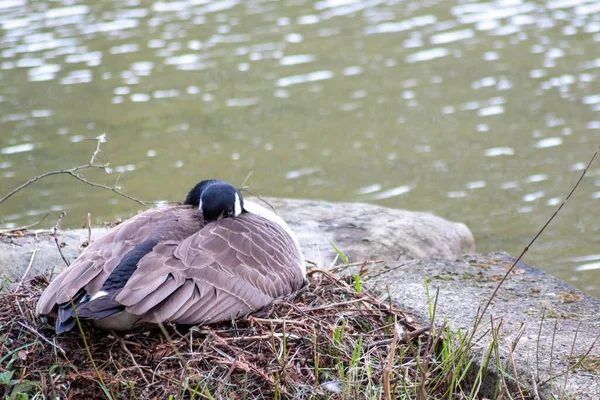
<point x="73" y="173"/>
<point x="22" y="228"/>
<point x="55" y="232"/>
<point x="222" y="358"/>
<point x="390" y="360"/>
<point x="26" y="270"/>
<point x="534" y="388"/>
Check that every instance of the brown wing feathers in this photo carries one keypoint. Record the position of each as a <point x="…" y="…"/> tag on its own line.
<point x="227" y="269"/>
<point x="95" y="264"/>
<point x="232" y="268"/>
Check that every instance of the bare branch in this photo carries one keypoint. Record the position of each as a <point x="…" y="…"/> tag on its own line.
<point x="534" y="389"/>
<point x="112" y="189"/>
<point x="72" y="172"/>
<point x="31" y="181"/>
<point x="99" y="140"/>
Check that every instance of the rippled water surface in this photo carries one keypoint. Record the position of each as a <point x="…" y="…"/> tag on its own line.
<point x="482" y="112"/>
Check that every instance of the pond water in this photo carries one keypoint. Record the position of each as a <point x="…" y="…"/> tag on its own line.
<point x="481" y="112"/>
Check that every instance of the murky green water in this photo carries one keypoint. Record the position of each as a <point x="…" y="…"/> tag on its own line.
<point x="482" y="112"/>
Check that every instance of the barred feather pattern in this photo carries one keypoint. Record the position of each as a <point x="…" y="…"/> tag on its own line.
<point x="196" y="273"/>
<point x="228" y="269"/>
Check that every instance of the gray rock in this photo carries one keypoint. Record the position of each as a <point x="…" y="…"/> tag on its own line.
<point x="361" y="231"/>
<point x="414" y="245"/>
<point x="37" y="253"/>
<point x="467" y="283"/>
<point x="367" y="232"/>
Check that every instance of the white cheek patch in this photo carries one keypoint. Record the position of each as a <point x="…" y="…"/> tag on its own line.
<point x="238" y="205"/>
<point x="200" y="204"/>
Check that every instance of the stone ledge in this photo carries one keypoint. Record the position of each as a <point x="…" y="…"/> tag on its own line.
<point x="467" y="282"/>
<point x="417" y="244"/>
<point x="361" y="231"/>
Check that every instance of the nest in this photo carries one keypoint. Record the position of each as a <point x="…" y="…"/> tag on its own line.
<point x="331" y="340"/>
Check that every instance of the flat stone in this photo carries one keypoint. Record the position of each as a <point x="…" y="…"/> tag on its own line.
<point x="36" y="253"/>
<point x="570" y="327"/>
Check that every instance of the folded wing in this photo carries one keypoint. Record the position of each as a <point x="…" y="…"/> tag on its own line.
<point x="88" y="273"/>
<point x="228" y="269"/>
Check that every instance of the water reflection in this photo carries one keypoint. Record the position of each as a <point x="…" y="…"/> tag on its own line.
<point x="484" y="112"/>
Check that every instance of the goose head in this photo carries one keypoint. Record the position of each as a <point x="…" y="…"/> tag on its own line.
<point x="216" y="199"/>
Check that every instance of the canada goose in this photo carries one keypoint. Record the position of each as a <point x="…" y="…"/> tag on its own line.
<point x="213" y="258"/>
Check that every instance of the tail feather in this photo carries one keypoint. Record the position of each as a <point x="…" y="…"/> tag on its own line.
<point x="66" y="314"/>
<point x="99" y="308"/>
<point x="65" y="311"/>
<point x="64" y="325"/>
<point x="84" y="306"/>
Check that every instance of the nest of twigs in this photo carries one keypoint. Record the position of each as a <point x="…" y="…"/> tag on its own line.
<point x="330" y="340"/>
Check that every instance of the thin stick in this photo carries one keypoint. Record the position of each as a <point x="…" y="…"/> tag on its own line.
<point x="262" y="337"/>
<point x="537" y="345"/>
<point x="260" y="198"/>
<point x="511" y="351"/>
<point x="37" y="178"/>
<point x="99" y="140"/>
<point x="390" y="361"/>
<point x="124" y="346"/>
<point x="44" y="338"/>
<point x="247" y="178"/>
<point x="55" y="230"/>
<point x="72" y="172"/>
<point x="526" y="249"/>
<point x="333" y="305"/>
<point x="502" y="392"/>
<point x="357" y="263"/>
<point x="23" y="228"/>
<point x="275" y="321"/>
<point x="112" y="189"/>
<point x="27" y="270"/>
<point x="417" y="332"/>
<point x="534" y="388"/>
<point x="225" y="379"/>
<point x="385" y="271"/>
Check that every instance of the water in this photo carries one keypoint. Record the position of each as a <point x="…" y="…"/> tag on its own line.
<point x="482" y="112"/>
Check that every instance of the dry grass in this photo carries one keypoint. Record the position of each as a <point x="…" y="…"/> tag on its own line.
<point x="331" y="341"/>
